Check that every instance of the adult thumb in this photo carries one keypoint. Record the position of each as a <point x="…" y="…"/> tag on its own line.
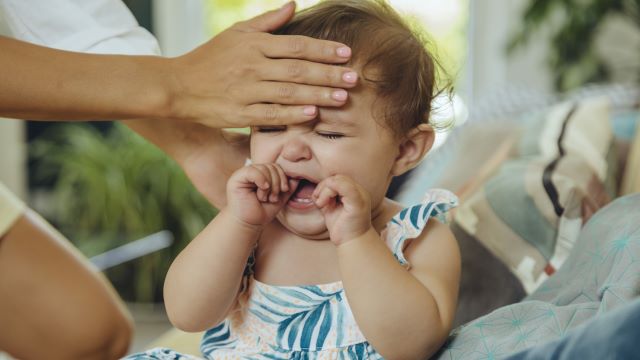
<point x="269" y="21"/>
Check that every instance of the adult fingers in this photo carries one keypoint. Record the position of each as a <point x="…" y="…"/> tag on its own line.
<point x="308" y="72"/>
<point x="295" y="94"/>
<point x="275" y="114"/>
<point x="304" y="47"/>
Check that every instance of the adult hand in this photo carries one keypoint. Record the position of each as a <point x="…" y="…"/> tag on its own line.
<point x="246" y="76"/>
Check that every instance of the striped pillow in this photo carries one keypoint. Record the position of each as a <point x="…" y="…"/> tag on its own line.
<point x="529" y="213"/>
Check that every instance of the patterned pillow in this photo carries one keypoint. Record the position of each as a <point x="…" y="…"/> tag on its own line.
<point x="530" y="212"/>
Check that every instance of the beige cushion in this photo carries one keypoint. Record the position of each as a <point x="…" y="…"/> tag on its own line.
<point x="631" y="177"/>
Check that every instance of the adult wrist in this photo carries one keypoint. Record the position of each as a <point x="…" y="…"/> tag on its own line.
<point x="179" y="101"/>
<point x="155" y="89"/>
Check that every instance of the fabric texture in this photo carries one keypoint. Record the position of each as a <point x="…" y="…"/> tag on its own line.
<point x="307" y="322"/>
<point x="10" y="209"/>
<point x="96" y="26"/>
<point x="602" y="273"/>
<point x="611" y="336"/>
<point x="530" y="212"/>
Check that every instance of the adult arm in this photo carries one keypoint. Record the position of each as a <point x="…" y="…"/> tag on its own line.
<point x="106" y="26"/>
<point x="207" y="155"/>
<point x="40" y="83"/>
<point x="210" y="155"/>
<point x="273" y="82"/>
<point x="54" y="305"/>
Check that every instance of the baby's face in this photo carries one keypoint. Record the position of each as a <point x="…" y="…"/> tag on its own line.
<point x="346" y="141"/>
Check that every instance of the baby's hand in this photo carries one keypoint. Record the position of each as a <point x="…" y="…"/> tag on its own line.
<point x="346" y="207"/>
<point x="257" y="192"/>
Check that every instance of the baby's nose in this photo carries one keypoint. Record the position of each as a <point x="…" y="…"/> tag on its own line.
<point x="296" y="150"/>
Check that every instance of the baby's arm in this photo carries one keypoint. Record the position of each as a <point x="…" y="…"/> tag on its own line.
<point x="403" y="314"/>
<point x="203" y="281"/>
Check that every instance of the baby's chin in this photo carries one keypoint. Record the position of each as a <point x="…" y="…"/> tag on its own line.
<point x="309" y="226"/>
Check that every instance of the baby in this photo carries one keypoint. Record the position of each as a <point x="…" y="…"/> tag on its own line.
<point x="335" y="269"/>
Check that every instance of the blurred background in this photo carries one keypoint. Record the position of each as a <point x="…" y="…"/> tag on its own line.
<point x="105" y="188"/>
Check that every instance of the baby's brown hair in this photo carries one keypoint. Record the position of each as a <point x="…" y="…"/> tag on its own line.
<point x="392" y="56"/>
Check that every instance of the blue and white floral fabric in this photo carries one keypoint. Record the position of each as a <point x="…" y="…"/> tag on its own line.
<point x="306" y="322"/>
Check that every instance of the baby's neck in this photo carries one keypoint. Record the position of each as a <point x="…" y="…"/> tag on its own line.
<point x="383" y="213"/>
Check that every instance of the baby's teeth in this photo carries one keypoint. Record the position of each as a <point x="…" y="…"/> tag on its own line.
<point x="304" y="201"/>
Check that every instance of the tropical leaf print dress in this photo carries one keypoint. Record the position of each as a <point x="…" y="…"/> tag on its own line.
<point x="306" y="322"/>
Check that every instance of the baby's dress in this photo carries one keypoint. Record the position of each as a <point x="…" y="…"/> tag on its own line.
<point x="307" y="322"/>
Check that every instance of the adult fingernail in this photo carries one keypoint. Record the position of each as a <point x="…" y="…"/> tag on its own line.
<point x="286" y="5"/>
<point x="343" y="51"/>
<point x="309" y="110"/>
<point x="340" y="95"/>
<point x="350" y="77"/>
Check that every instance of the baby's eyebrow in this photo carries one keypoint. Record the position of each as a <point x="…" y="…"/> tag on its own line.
<point x="337" y="121"/>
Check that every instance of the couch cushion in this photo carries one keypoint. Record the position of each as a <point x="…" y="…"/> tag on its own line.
<point x="530" y="212"/>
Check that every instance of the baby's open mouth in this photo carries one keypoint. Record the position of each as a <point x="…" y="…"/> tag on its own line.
<point x="302" y="195"/>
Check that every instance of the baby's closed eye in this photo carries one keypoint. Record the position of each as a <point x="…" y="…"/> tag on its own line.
<point x="330" y="135"/>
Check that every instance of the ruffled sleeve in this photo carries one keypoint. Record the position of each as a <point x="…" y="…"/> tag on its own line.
<point x="410" y="222"/>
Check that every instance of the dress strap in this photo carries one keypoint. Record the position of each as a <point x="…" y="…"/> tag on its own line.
<point x="410" y="222"/>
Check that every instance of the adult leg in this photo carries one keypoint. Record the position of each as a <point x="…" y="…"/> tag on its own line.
<point x="53" y="304"/>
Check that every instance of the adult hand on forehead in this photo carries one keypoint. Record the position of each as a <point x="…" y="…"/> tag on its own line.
<point x="246" y="76"/>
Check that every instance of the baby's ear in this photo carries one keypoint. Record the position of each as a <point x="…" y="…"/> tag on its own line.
<point x="413" y="148"/>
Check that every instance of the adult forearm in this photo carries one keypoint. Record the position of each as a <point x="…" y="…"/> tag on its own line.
<point x="40" y="83"/>
<point x="397" y="313"/>
<point x="207" y="155"/>
<point x="202" y="283"/>
<point x="52" y="297"/>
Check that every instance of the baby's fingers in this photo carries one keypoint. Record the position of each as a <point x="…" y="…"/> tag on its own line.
<point x="325" y="195"/>
<point x="278" y="184"/>
<point x="345" y="190"/>
<point x="258" y="178"/>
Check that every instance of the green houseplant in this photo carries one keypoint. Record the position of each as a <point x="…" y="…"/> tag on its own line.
<point x="109" y="189"/>
<point x="575" y="25"/>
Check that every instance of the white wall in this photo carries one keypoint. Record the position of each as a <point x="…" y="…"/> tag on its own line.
<point x="617" y="42"/>
<point x="490" y="69"/>
<point x="179" y="25"/>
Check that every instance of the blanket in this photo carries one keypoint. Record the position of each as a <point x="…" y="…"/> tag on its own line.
<point x="601" y="273"/>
